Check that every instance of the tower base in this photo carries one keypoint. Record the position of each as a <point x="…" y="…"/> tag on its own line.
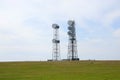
<point x="75" y="59"/>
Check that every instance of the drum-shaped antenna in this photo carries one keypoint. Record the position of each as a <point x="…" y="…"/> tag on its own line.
<point x="71" y="28"/>
<point x="71" y="22"/>
<point x="55" y="26"/>
<point x="71" y="34"/>
<point x="55" y="41"/>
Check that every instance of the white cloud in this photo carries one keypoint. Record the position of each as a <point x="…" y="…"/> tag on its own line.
<point x="110" y="17"/>
<point x="116" y="33"/>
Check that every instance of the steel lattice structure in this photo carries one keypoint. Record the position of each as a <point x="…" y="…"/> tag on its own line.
<point x="56" y="43"/>
<point x="72" y="43"/>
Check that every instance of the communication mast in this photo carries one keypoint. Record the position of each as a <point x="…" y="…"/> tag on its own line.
<point x="72" y="44"/>
<point x="56" y="43"/>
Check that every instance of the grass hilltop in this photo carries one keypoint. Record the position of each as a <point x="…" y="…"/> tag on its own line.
<point x="63" y="70"/>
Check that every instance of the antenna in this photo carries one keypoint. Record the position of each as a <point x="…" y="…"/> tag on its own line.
<point x="56" y="43"/>
<point x="72" y="44"/>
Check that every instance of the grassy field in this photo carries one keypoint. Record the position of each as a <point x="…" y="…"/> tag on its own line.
<point x="79" y="70"/>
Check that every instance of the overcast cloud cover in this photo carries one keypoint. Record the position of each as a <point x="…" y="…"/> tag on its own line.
<point x="26" y="32"/>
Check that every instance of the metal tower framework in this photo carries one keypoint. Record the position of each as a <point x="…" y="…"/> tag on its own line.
<point x="56" y="43"/>
<point x="72" y="44"/>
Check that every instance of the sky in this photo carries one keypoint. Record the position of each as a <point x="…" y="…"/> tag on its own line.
<point x="26" y="28"/>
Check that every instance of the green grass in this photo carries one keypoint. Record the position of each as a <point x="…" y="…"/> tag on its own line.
<point x="79" y="70"/>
